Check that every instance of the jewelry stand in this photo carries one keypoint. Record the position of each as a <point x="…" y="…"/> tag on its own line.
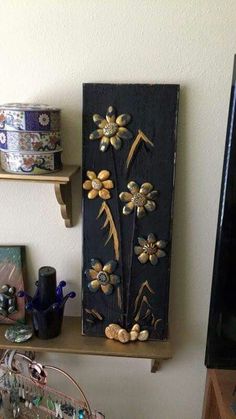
<point x="25" y="392"/>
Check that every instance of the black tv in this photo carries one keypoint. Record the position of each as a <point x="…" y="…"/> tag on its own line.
<point x="221" y="336"/>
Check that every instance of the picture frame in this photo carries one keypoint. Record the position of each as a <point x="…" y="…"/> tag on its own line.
<point x="12" y="280"/>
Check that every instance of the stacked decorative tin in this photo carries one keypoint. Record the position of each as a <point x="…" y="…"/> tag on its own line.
<point x="30" y="139"/>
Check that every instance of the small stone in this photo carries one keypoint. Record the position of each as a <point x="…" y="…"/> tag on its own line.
<point x="104" y="194"/>
<point x="124" y="133"/>
<point x="146" y="188"/>
<point x="143" y="335"/>
<point x="109" y="333"/>
<point x="3" y="312"/>
<point x="87" y="185"/>
<point x="123" y="336"/>
<point x="143" y="258"/>
<point x="136" y="328"/>
<point x="110" y="129"/>
<point x="12" y="290"/>
<point x="19" y="333"/>
<point x="97" y="184"/>
<point x="123" y="119"/>
<point x="99" y="120"/>
<point x="115" y="329"/>
<point x="12" y="309"/>
<point x="92" y="194"/>
<point x="133" y="335"/>
<point x="141" y="212"/>
<point x="150" y="206"/>
<point x="5" y="288"/>
<point x="139" y="199"/>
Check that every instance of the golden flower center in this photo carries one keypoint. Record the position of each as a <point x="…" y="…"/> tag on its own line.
<point x="150" y="248"/>
<point x="103" y="277"/>
<point x="110" y="129"/>
<point x="97" y="184"/>
<point x="139" y="199"/>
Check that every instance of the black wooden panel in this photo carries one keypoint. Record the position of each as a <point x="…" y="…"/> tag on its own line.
<point x="153" y="109"/>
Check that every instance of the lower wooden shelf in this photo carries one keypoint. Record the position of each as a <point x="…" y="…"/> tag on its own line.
<point x="71" y="341"/>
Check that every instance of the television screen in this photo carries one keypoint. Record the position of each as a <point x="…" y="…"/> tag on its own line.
<point x="221" y="338"/>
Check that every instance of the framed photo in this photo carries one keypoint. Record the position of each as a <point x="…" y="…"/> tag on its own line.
<point x="12" y="275"/>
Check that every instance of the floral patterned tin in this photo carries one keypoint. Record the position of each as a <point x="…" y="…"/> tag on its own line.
<point x="31" y="163"/>
<point x="29" y="117"/>
<point x="30" y="140"/>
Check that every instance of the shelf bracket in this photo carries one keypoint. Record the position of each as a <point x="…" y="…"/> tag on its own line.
<point x="62" y="185"/>
<point x="155" y="365"/>
<point x="64" y="199"/>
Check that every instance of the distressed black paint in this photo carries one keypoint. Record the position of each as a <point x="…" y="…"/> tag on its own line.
<point x="153" y="109"/>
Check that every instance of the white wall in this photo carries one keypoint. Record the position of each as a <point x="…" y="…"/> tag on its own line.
<point x="48" y="48"/>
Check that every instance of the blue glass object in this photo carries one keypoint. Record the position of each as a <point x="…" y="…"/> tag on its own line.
<point x="47" y="304"/>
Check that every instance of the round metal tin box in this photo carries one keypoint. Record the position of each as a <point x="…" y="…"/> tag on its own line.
<point x="30" y="140"/>
<point x="29" y="117"/>
<point x="31" y="163"/>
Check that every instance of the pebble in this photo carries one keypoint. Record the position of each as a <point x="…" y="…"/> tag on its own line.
<point x="19" y="333"/>
<point x="109" y="333"/>
<point x="133" y="335"/>
<point x="143" y="335"/>
<point x="123" y="336"/>
<point x="136" y="327"/>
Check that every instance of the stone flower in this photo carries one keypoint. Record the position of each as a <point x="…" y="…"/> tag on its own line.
<point x="98" y="184"/>
<point x="140" y="198"/>
<point x="111" y="130"/>
<point x="102" y="277"/>
<point x="150" y="249"/>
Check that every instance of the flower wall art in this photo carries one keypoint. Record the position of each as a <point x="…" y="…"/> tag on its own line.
<point x="129" y="153"/>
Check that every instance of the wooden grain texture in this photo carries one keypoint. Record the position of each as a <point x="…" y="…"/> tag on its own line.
<point x="64" y="199"/>
<point x="218" y="398"/>
<point x="63" y="176"/>
<point x="210" y="408"/>
<point x="153" y="110"/>
<point x="71" y="341"/>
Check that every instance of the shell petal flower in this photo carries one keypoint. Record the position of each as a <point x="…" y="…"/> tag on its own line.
<point x="102" y="277"/>
<point x="139" y="198"/>
<point x="98" y="185"/>
<point x="150" y="249"/>
<point x="111" y="129"/>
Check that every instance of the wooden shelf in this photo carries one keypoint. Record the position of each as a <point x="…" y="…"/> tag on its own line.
<point x="71" y="341"/>
<point x="62" y="186"/>
<point x="219" y="394"/>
